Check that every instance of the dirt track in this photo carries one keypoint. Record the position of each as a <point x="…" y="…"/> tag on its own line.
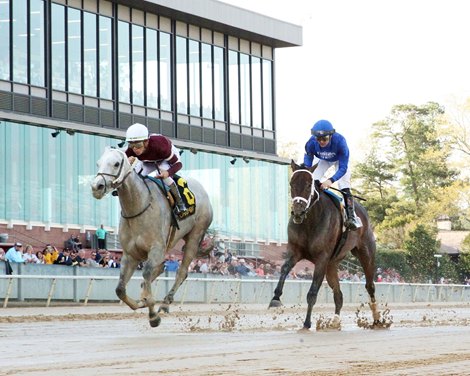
<point x="231" y="340"/>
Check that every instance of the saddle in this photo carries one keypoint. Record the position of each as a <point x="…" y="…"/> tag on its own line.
<point x="186" y="194"/>
<point x="338" y="201"/>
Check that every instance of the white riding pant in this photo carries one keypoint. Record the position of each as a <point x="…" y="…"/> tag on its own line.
<point x="321" y="173"/>
<point x="150" y="167"/>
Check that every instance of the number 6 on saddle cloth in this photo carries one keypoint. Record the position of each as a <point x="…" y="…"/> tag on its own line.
<point x="185" y="193"/>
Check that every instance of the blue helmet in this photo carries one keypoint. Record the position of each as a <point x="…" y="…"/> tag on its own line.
<point x="322" y="128"/>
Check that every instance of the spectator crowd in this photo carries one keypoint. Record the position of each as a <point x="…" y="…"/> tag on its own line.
<point x="218" y="263"/>
<point x="76" y="256"/>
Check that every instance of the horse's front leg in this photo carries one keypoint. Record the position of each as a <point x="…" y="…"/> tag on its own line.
<point x="333" y="281"/>
<point x="312" y="294"/>
<point x="152" y="269"/>
<point x="285" y="270"/>
<point x="128" y="266"/>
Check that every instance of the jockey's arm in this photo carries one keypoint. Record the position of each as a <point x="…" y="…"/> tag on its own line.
<point x="175" y="165"/>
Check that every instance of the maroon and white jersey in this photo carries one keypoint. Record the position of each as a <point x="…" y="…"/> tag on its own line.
<point x="160" y="149"/>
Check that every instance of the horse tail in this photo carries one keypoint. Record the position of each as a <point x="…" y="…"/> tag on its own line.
<point x="206" y="245"/>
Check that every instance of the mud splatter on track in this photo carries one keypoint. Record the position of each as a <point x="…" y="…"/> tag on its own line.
<point x="242" y="340"/>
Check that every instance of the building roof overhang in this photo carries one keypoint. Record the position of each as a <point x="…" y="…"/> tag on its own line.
<point x="225" y="18"/>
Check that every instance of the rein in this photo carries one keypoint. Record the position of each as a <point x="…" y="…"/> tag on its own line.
<point x="145" y="208"/>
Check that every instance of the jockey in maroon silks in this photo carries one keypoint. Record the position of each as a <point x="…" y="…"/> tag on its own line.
<point x="158" y="156"/>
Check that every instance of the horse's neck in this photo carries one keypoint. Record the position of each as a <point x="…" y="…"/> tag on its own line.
<point x="133" y="193"/>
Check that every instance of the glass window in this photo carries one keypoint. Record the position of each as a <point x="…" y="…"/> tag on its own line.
<point x="105" y="58"/>
<point x="194" y="79"/>
<point x="138" y="65"/>
<point x="152" y="68"/>
<point x="58" y="46"/>
<point x="219" y="84"/>
<point x="267" y="95"/>
<point x="165" y="71"/>
<point x="90" y="54"/>
<point x="5" y="40"/>
<point x="181" y="75"/>
<point x="256" y="90"/>
<point x="20" y="41"/>
<point x="206" y="80"/>
<point x="37" y="47"/>
<point x="124" y="62"/>
<point x="74" y="46"/>
<point x="245" y="97"/>
<point x="233" y="87"/>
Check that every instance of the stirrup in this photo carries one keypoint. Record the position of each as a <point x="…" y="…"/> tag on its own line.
<point x="353" y="223"/>
<point x="180" y="212"/>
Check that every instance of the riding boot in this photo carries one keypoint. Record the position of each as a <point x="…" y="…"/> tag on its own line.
<point x="180" y="206"/>
<point x="352" y="222"/>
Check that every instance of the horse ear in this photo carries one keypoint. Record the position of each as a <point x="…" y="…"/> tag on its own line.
<point x="313" y="168"/>
<point x="294" y="165"/>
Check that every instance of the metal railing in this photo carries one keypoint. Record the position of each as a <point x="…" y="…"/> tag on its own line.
<point x="201" y="288"/>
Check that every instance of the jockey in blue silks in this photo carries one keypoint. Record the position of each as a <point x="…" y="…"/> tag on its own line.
<point x="331" y="149"/>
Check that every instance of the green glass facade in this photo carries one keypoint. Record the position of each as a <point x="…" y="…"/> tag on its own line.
<point x="47" y="181"/>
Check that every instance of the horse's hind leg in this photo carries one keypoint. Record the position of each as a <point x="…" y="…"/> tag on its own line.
<point x="151" y="271"/>
<point x="367" y="260"/>
<point x="333" y="281"/>
<point x="285" y="270"/>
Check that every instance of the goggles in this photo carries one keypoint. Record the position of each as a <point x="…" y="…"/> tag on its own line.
<point x="136" y="144"/>
<point x="322" y="138"/>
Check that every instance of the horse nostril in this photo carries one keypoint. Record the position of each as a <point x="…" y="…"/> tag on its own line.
<point x="100" y="187"/>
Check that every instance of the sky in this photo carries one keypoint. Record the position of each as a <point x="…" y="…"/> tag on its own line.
<point x="360" y="58"/>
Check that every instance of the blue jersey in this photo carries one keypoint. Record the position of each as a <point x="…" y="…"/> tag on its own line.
<point x="336" y="150"/>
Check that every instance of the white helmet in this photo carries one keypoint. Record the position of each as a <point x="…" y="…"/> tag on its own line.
<point x="137" y="132"/>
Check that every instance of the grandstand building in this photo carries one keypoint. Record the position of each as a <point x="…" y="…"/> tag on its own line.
<point x="75" y="74"/>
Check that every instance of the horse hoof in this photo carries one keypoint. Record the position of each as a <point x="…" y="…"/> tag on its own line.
<point x="155" y="321"/>
<point x="164" y="309"/>
<point x="275" y="304"/>
<point x="304" y="330"/>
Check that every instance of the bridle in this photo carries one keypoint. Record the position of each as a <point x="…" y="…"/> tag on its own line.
<point x="309" y="202"/>
<point x="119" y="181"/>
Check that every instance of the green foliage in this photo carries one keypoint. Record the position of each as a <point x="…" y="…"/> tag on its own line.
<point x="421" y="246"/>
<point x="391" y="258"/>
<point x="464" y="266"/>
<point x="406" y="176"/>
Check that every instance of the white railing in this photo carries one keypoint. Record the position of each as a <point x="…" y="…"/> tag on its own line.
<point x="209" y="289"/>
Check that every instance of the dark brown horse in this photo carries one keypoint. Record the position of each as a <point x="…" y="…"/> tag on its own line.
<point x="315" y="233"/>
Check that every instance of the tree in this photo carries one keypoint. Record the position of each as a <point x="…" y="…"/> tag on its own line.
<point x="421" y="245"/>
<point x="419" y="157"/>
<point x="375" y="179"/>
<point x="289" y="150"/>
<point x="457" y="128"/>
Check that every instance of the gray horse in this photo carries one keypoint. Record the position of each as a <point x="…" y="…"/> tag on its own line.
<point x="145" y="229"/>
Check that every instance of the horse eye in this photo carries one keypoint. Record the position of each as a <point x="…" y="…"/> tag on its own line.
<point x="116" y="164"/>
